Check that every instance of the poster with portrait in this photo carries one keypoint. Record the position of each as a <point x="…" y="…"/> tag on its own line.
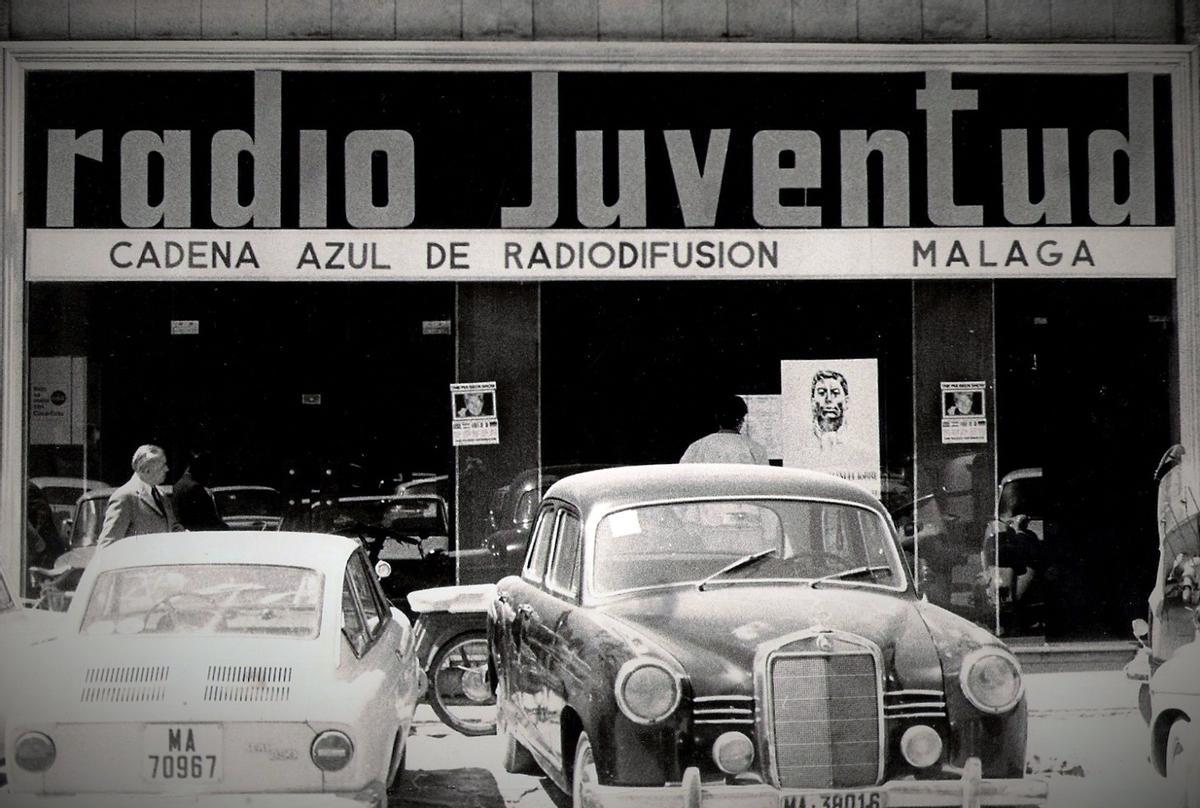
<point x="762" y="423"/>
<point x="829" y="417"/>
<point x="473" y="413"/>
<point x="963" y="417"/>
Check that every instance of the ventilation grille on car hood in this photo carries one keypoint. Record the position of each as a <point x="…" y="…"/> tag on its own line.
<point x="248" y="683"/>
<point x="124" y="684"/>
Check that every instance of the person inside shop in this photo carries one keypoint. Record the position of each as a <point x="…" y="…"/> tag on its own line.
<point x="43" y="542"/>
<point x="727" y="444"/>
<point x="964" y="404"/>
<point x="138" y="506"/>
<point x="1011" y="558"/>
<point x="194" y="505"/>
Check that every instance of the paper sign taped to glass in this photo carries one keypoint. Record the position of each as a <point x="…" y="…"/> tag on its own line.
<point x="830" y="417"/>
<point x="963" y="417"/>
<point x="473" y="413"/>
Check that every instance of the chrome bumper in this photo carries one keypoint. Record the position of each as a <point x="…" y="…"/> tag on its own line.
<point x="969" y="791"/>
<point x="276" y="800"/>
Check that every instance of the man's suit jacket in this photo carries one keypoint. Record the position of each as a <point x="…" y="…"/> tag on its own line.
<point x="132" y="511"/>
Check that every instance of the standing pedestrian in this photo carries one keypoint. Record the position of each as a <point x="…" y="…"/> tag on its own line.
<point x="137" y="506"/>
<point x="193" y="502"/>
<point x="727" y="444"/>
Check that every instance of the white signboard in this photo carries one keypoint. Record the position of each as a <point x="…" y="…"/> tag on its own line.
<point x="830" y="417"/>
<point x="963" y="417"/>
<point x="57" y="400"/>
<point x="60" y="254"/>
<point x="473" y="412"/>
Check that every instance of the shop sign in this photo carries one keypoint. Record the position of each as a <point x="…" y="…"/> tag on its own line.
<point x="158" y="255"/>
<point x="470" y="175"/>
<point x="57" y="400"/>
<point x="964" y="418"/>
<point x="435" y="327"/>
<point x="474" y="418"/>
<point x="830" y="418"/>
<point x="185" y="327"/>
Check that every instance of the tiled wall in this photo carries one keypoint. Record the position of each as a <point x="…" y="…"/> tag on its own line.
<point x="743" y="20"/>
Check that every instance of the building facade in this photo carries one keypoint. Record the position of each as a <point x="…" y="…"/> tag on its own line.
<point x="944" y="249"/>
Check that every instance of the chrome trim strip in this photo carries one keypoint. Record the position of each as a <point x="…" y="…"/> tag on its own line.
<point x="941" y="693"/>
<point x="765" y="693"/>
<point x="723" y="698"/>
<point x="728" y="710"/>
<point x="914" y="705"/>
<point x="920" y="715"/>
<point x="724" y="721"/>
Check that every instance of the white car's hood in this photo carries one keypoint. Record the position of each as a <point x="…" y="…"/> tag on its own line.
<point x="140" y="678"/>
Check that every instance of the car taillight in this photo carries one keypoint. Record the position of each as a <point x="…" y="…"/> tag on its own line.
<point x="332" y="750"/>
<point x="35" y="752"/>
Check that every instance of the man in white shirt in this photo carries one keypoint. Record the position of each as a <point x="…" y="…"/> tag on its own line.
<point x="727" y="444"/>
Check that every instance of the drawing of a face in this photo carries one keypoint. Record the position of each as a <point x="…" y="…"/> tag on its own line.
<point x="829" y="399"/>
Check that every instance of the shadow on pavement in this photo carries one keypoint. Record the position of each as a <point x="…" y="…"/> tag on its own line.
<point x="446" y="788"/>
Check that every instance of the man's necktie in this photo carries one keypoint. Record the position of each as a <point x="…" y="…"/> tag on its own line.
<point x="158" y="500"/>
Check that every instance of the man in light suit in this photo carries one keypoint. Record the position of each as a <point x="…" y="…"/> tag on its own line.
<point x="137" y="506"/>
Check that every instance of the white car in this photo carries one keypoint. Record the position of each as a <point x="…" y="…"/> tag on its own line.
<point x="1175" y="717"/>
<point x="19" y="628"/>
<point x="218" y="668"/>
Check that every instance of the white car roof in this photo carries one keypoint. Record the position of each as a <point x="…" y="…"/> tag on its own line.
<point x="68" y="482"/>
<point x="318" y="551"/>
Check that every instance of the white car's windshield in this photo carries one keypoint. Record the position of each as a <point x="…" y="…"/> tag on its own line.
<point x="676" y="543"/>
<point x="206" y="599"/>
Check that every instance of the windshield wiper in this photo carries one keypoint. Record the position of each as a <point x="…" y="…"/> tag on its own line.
<point x="737" y="564"/>
<point x="850" y="573"/>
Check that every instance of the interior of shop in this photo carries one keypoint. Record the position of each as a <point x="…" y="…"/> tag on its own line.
<point x="344" y="387"/>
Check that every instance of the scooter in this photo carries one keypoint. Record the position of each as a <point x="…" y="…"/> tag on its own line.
<point x="452" y="646"/>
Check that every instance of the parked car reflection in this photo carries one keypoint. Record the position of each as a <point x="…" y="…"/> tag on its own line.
<point x="63" y="493"/>
<point x="249" y="507"/>
<point x="406" y="537"/>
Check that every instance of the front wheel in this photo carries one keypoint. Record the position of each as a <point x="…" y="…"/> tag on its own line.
<point x="583" y="773"/>
<point x="1183" y="772"/>
<point x="459" y="691"/>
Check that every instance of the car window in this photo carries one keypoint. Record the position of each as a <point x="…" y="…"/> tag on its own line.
<point x="360" y="576"/>
<point x="213" y="599"/>
<point x="676" y="543"/>
<point x="352" y="621"/>
<point x="564" y="569"/>
<point x="539" y="546"/>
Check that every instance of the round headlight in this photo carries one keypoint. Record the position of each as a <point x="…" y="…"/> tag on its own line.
<point x="331" y="750"/>
<point x="383" y="569"/>
<point x="35" y="752"/>
<point x="921" y="745"/>
<point x="733" y="752"/>
<point x="646" y="690"/>
<point x="991" y="680"/>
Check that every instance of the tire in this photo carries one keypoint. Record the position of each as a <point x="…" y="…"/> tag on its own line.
<point x="459" y="692"/>
<point x="583" y="771"/>
<point x="1181" y="766"/>
<point x="397" y="766"/>
<point x="517" y="759"/>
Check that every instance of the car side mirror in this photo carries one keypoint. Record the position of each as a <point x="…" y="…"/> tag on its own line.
<point x="1141" y="629"/>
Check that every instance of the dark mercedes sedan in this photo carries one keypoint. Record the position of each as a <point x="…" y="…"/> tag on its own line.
<point x="700" y="634"/>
